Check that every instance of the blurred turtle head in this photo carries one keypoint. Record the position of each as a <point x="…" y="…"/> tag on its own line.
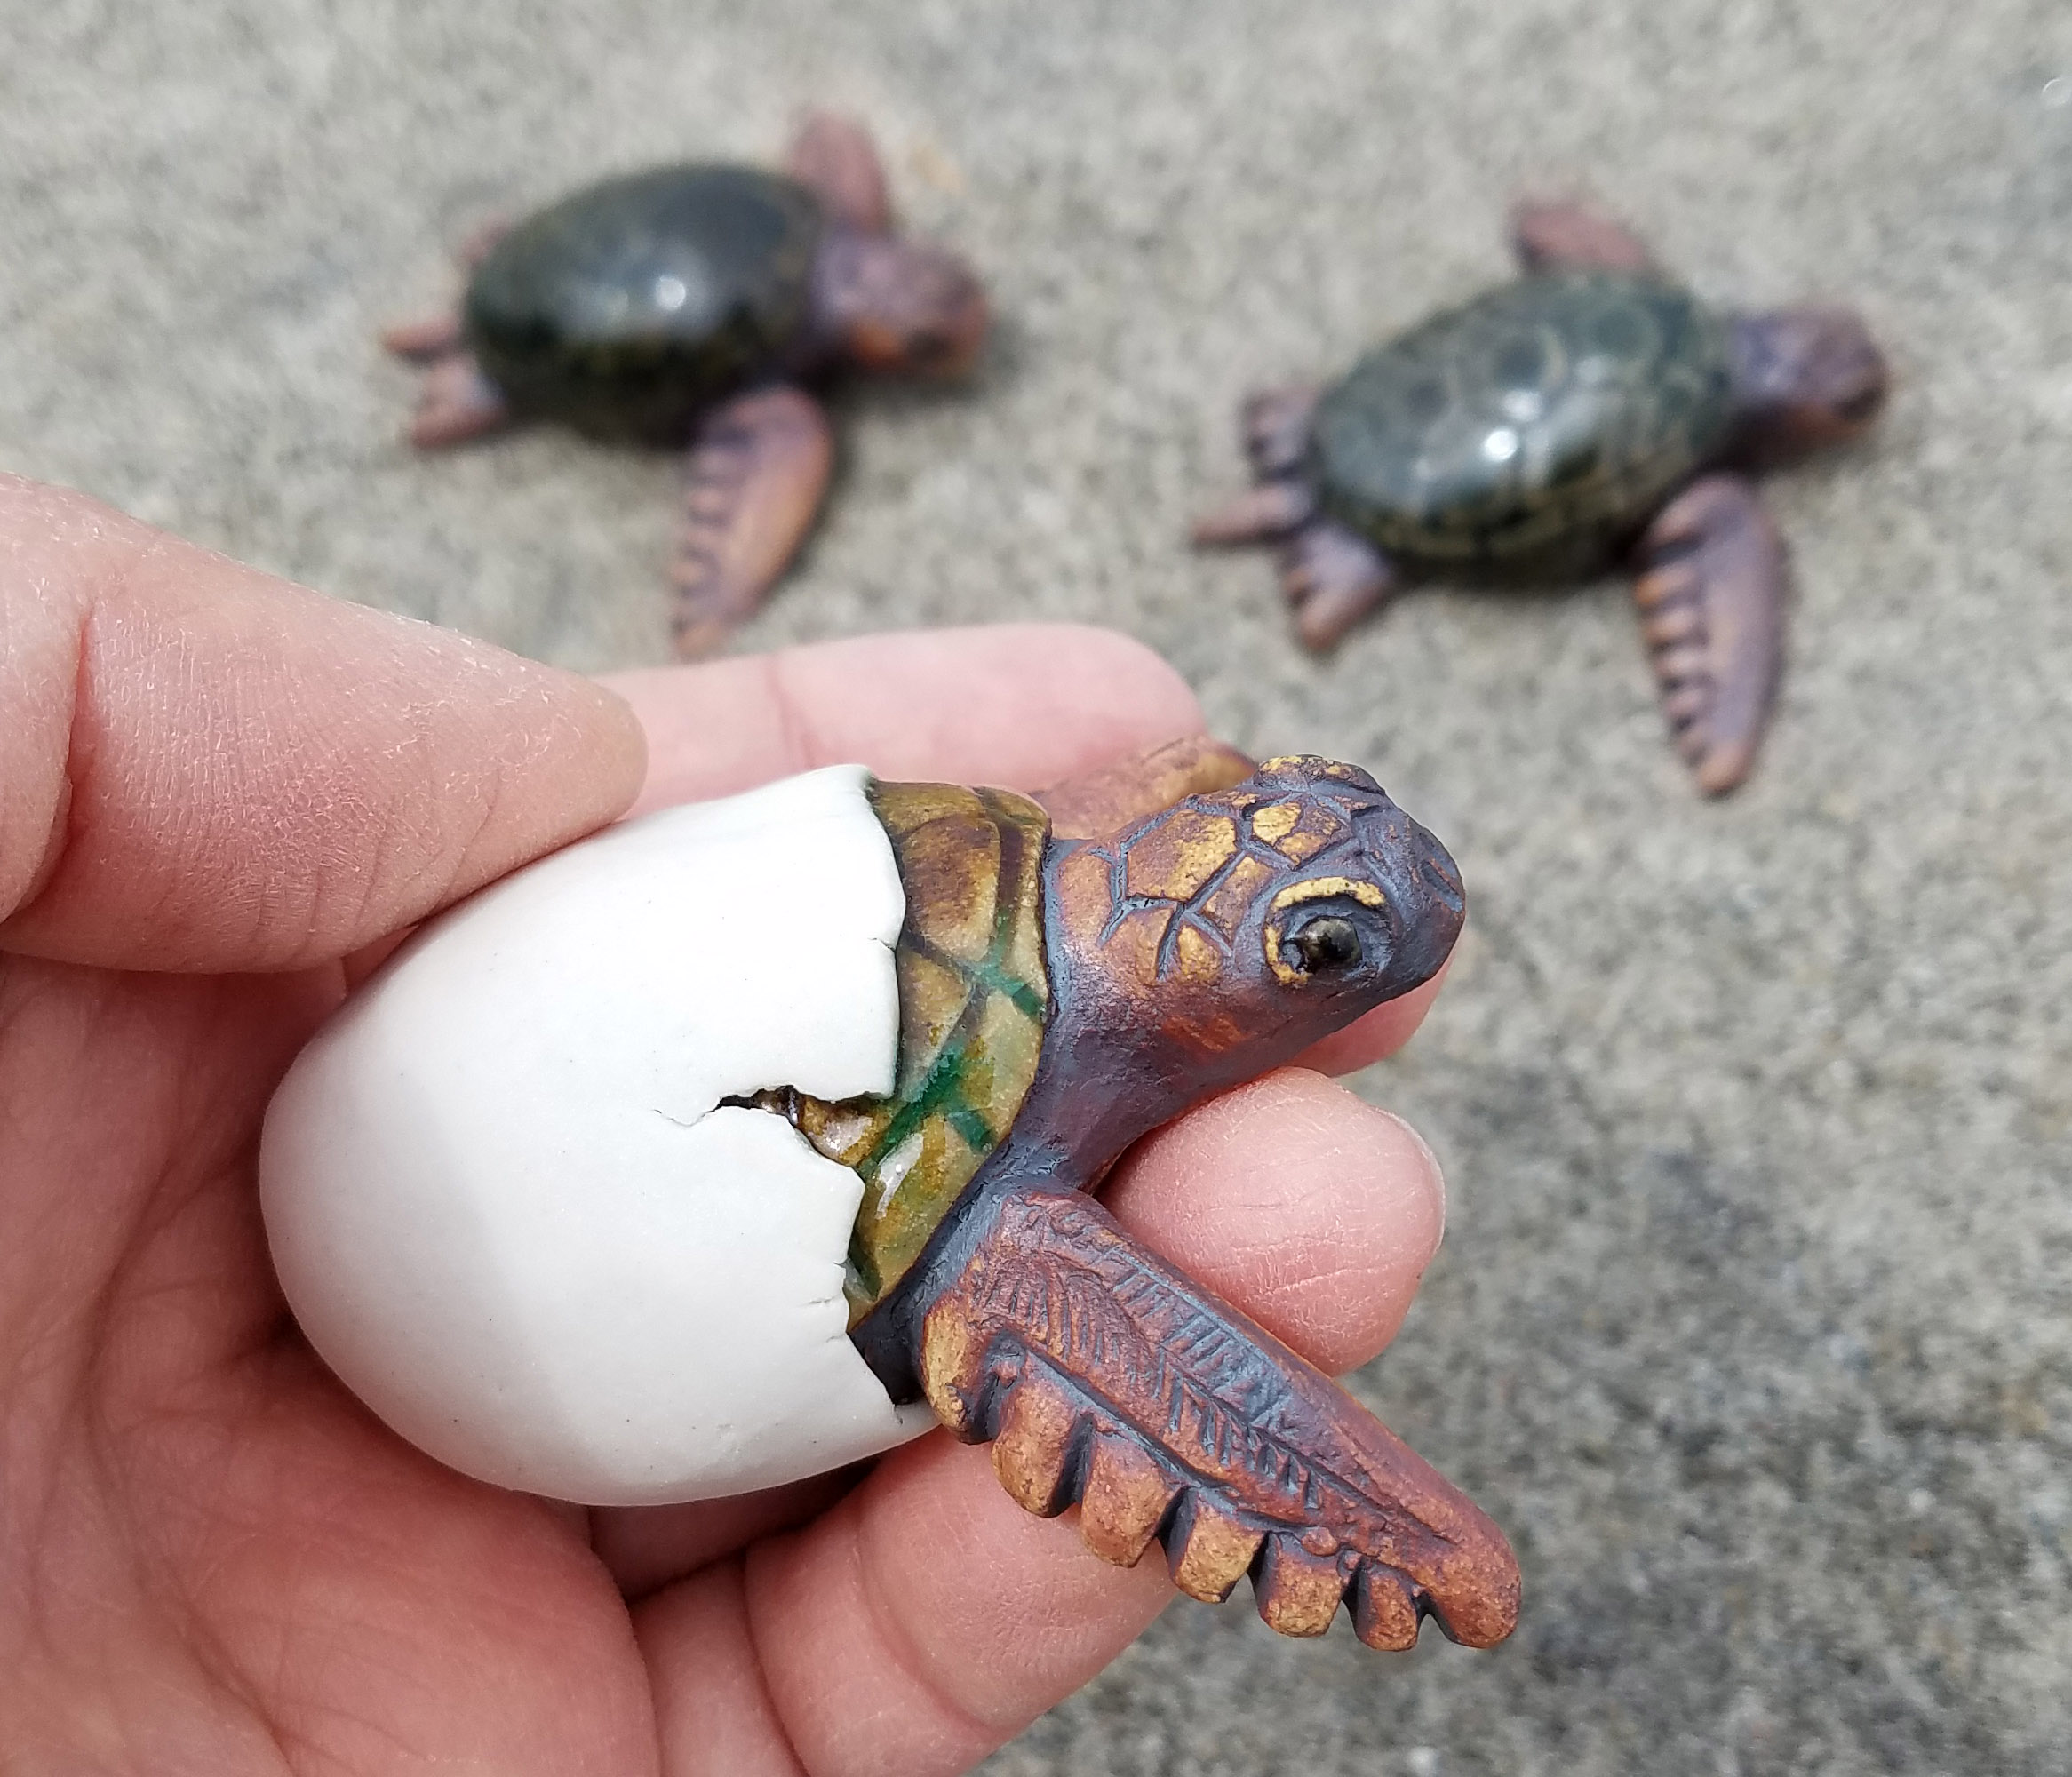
<point x="901" y="305"/>
<point x="1806" y="377"/>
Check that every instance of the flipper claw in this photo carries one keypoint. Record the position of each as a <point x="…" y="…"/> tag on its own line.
<point x="1711" y="588"/>
<point x="1106" y="1379"/>
<point x="752" y="487"/>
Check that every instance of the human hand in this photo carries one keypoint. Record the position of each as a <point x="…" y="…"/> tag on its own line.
<point x="219" y="795"/>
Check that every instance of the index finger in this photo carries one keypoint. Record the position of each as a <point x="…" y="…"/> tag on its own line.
<point x="203" y="767"/>
<point x="1018" y="705"/>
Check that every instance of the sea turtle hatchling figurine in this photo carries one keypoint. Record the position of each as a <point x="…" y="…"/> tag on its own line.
<point x="689" y="305"/>
<point x="1589" y="409"/>
<point x="745" y="1140"/>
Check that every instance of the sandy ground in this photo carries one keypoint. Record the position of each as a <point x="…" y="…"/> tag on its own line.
<point x="1754" y="1322"/>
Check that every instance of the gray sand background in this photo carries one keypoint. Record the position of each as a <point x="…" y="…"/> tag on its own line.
<point x="1754" y="1322"/>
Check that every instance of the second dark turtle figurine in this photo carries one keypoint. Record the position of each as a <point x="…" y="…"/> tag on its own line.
<point x="688" y="304"/>
<point x="1590" y="409"/>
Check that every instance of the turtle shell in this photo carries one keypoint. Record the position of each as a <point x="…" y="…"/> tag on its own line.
<point x="973" y="998"/>
<point x="1532" y="425"/>
<point x="627" y="307"/>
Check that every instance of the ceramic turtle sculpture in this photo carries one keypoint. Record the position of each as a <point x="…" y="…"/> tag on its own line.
<point x="746" y="1140"/>
<point x="1591" y="408"/>
<point x="693" y="304"/>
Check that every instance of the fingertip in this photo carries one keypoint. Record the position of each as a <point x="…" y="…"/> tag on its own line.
<point x="1314" y="1211"/>
<point x="714" y="1712"/>
<point x="1377" y="1035"/>
<point x="1016" y="705"/>
<point x="928" y="1618"/>
<point x="618" y="739"/>
<point x="1420" y="1163"/>
<point x="243" y="774"/>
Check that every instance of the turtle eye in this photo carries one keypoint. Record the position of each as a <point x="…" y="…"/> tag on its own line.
<point x="1326" y="946"/>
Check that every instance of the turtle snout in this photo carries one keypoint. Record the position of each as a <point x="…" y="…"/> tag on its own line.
<point x="1862" y="396"/>
<point x="1434" y="907"/>
<point x="967" y="328"/>
<point x="958" y="315"/>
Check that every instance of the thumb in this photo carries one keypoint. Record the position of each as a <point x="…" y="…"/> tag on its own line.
<point x="205" y="768"/>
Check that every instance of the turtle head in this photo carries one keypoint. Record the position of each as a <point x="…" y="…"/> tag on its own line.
<point x="897" y="305"/>
<point x="1806" y="377"/>
<point x="1366" y="907"/>
<point x="1222" y="937"/>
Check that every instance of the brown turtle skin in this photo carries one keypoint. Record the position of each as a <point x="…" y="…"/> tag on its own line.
<point x="1188" y="949"/>
<point x="1588" y="411"/>
<point x="692" y="305"/>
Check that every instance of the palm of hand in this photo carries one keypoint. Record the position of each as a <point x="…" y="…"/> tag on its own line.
<point x="292" y="1584"/>
<point x="213" y="1558"/>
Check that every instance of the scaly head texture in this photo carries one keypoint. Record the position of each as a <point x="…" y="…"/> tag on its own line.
<point x="1203" y="946"/>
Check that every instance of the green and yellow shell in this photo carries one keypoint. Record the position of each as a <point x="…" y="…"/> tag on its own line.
<point x="1547" y="414"/>
<point x="973" y="997"/>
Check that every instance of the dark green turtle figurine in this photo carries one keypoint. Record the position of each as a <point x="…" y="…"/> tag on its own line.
<point x="688" y="304"/>
<point x="1589" y="409"/>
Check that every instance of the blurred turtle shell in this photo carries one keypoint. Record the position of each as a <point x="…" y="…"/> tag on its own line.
<point x="1527" y="428"/>
<point x="629" y="306"/>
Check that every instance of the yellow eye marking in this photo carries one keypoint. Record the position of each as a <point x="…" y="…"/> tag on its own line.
<point x="1317" y="888"/>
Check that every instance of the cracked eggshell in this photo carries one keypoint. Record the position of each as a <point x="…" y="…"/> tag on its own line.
<point x="505" y="1207"/>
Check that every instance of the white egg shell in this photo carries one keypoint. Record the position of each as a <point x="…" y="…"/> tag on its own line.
<point x="508" y="1209"/>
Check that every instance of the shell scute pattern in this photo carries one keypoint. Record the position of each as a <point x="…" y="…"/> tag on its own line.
<point x="1553" y="410"/>
<point x="973" y="999"/>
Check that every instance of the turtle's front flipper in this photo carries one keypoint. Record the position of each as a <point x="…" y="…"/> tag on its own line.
<point x="1557" y="236"/>
<point x="757" y="471"/>
<point x="1333" y="577"/>
<point x="1711" y="587"/>
<point x="834" y="158"/>
<point x="1103" y="1377"/>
